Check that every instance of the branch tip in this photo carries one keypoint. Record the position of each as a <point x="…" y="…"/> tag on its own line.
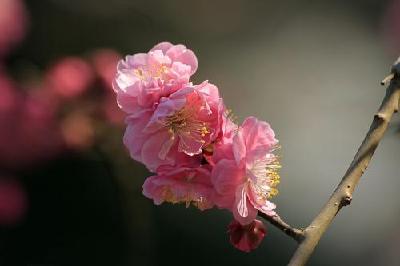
<point x="387" y="79"/>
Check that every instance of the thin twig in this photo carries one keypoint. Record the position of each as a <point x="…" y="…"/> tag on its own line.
<point x="387" y="79"/>
<point x="276" y="220"/>
<point x="342" y="196"/>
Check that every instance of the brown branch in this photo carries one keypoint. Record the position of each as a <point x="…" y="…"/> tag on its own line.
<point x="342" y="196"/>
<point x="276" y="220"/>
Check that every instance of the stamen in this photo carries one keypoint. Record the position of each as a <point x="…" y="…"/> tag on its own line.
<point x="158" y="72"/>
<point x="168" y="196"/>
<point x="189" y="198"/>
<point x="231" y="116"/>
<point x="273" y="192"/>
<point x="139" y="73"/>
<point x="184" y="123"/>
<point x="266" y="176"/>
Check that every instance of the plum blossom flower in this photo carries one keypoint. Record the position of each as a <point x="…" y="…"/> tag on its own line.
<point x="246" y="237"/>
<point x="142" y="79"/>
<point x="245" y="173"/>
<point x="181" y="185"/>
<point x="178" y="129"/>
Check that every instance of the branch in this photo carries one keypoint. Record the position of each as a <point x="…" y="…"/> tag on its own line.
<point x="296" y="234"/>
<point x="342" y="196"/>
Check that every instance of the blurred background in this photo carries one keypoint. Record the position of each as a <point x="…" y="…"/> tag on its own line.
<point x="70" y="194"/>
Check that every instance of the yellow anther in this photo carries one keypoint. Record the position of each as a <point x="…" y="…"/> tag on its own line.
<point x="273" y="192"/>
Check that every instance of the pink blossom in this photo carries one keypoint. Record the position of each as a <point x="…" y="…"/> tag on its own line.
<point x="13" y="24"/>
<point x="246" y="237"/>
<point x="142" y="79"/>
<point x="69" y="77"/>
<point x="178" y="129"/>
<point x="245" y="173"/>
<point x="181" y="185"/>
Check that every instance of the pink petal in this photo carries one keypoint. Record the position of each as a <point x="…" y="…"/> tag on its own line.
<point x="124" y="80"/>
<point x="152" y="191"/>
<point x="127" y="103"/>
<point x="133" y="61"/>
<point x="134" y="138"/>
<point x="242" y="204"/>
<point x="151" y="151"/>
<point x="163" y="46"/>
<point x="182" y="54"/>
<point x="243" y="210"/>
<point x="226" y="177"/>
<point x="189" y="145"/>
<point x="157" y="58"/>
<point x="258" y="136"/>
<point x="166" y="147"/>
<point x="239" y="148"/>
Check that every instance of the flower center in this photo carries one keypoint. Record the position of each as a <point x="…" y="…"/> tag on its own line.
<point x="265" y="176"/>
<point x="155" y="72"/>
<point x="188" y="198"/>
<point x="184" y="123"/>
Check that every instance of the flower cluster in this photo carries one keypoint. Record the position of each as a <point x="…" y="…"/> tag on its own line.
<point x="184" y="134"/>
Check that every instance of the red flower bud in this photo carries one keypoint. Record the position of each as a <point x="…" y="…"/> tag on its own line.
<point x="246" y="237"/>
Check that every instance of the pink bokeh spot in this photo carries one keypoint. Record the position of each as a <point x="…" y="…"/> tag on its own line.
<point x="78" y="130"/>
<point x="105" y="62"/>
<point x="13" y="24"/>
<point x="70" y="77"/>
<point x="13" y="201"/>
<point x="29" y="131"/>
<point x="9" y="97"/>
<point x="112" y="113"/>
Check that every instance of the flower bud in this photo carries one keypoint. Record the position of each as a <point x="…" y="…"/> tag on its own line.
<point x="246" y="237"/>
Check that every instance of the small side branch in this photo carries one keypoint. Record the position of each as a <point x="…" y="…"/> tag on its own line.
<point x="342" y="196"/>
<point x="276" y="220"/>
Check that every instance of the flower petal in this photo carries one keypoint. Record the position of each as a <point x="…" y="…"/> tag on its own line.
<point x="182" y="54"/>
<point x="243" y="211"/>
<point x="163" y="46"/>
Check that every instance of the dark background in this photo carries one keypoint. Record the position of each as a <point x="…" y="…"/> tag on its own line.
<point x="310" y="68"/>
